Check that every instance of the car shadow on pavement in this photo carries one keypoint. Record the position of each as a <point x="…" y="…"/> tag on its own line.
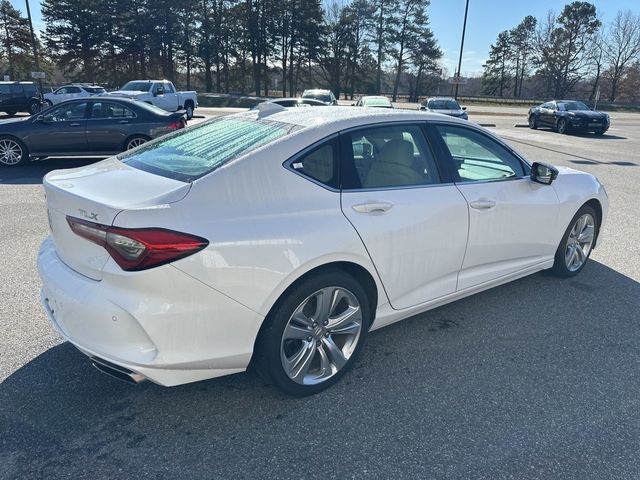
<point x="531" y="356"/>
<point x="32" y="172"/>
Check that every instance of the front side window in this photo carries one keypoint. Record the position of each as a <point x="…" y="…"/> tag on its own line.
<point x="168" y="88"/>
<point x="387" y="157"/>
<point x="320" y="164"/>
<point x="65" y="113"/>
<point x="193" y="152"/>
<point x="477" y="157"/>
<point x="110" y="110"/>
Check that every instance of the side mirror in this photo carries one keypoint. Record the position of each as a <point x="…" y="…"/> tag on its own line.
<point x="464" y="108"/>
<point x="543" y="173"/>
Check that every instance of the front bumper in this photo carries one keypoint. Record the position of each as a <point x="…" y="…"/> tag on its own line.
<point x="160" y="324"/>
<point x="587" y="125"/>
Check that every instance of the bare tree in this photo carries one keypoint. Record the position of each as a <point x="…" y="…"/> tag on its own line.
<point x="622" y="47"/>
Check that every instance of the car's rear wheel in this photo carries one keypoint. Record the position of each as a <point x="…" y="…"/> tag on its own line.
<point x="189" y="108"/>
<point x="561" y="126"/>
<point x="135" y="141"/>
<point x="314" y="335"/>
<point x="533" y="122"/>
<point x="577" y="243"/>
<point x="34" y="107"/>
<point x="12" y="152"/>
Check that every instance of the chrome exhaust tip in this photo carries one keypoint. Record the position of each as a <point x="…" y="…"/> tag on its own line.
<point x="116" y="371"/>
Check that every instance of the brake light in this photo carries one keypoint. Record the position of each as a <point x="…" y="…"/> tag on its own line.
<point x="137" y="249"/>
<point x="177" y="125"/>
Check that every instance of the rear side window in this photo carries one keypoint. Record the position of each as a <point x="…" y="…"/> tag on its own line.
<point x="320" y="164"/>
<point x="199" y="150"/>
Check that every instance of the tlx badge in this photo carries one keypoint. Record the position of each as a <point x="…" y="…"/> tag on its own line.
<point x="89" y="215"/>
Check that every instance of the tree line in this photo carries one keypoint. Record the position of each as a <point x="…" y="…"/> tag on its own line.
<point x="243" y="46"/>
<point x="570" y="53"/>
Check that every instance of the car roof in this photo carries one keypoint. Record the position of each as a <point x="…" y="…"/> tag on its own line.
<point x="340" y="118"/>
<point x="375" y="96"/>
<point x="441" y="98"/>
<point x="17" y="83"/>
<point x="317" y="90"/>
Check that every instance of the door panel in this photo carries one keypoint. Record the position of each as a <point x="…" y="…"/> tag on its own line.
<point x="62" y="130"/>
<point x="416" y="238"/>
<point x="511" y="225"/>
<point x="413" y="225"/>
<point x="511" y="218"/>
<point x="108" y="126"/>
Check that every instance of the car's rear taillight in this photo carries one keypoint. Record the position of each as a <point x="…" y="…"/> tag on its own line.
<point x="177" y="125"/>
<point x="139" y="248"/>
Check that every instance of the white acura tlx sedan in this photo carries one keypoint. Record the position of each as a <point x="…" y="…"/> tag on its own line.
<point x="278" y="238"/>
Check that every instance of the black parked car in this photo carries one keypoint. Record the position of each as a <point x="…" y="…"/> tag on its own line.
<point x="90" y="126"/>
<point x="565" y="116"/>
<point x="20" y="97"/>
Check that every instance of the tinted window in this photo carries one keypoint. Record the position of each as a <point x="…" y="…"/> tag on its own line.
<point x="389" y="156"/>
<point x="136" y="86"/>
<point x="16" y="89"/>
<point x="95" y="90"/>
<point x="168" y="88"/>
<point x="67" y="112"/>
<point x="319" y="164"/>
<point x="568" y="106"/>
<point x="196" y="151"/>
<point x="73" y="90"/>
<point x="30" y="89"/>
<point x="478" y="157"/>
<point x="110" y="110"/>
<point x="443" y="105"/>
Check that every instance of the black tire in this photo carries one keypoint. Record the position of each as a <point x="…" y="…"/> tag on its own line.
<point x="600" y="132"/>
<point x="11" y="112"/>
<point x="134" y="141"/>
<point x="188" y="106"/>
<point x="270" y="344"/>
<point x="6" y="161"/>
<point x="562" y="127"/>
<point x="533" y="122"/>
<point x="34" y="107"/>
<point x="560" y="268"/>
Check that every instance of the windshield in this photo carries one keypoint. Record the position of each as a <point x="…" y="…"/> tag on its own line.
<point x="323" y="97"/>
<point x="137" y="86"/>
<point x="568" y="106"/>
<point x="377" y="102"/>
<point x="443" y="105"/>
<point x="196" y="151"/>
<point x="152" y="108"/>
<point x="96" y="90"/>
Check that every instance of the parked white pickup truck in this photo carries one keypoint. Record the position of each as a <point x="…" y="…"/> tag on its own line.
<point x="160" y="93"/>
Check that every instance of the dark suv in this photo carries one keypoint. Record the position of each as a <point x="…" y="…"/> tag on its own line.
<point x="20" y="97"/>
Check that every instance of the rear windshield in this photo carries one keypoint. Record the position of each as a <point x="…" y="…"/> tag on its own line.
<point x="323" y="97"/>
<point x="95" y="90"/>
<point x="137" y="86"/>
<point x="444" y="105"/>
<point x="377" y="102"/>
<point x="199" y="150"/>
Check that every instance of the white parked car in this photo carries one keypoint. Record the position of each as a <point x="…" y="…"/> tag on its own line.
<point x="378" y="101"/>
<point x="161" y="93"/>
<point x="446" y="106"/>
<point x="72" y="91"/>
<point x="281" y="237"/>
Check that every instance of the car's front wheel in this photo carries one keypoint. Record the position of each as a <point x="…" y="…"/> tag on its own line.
<point x="12" y="152"/>
<point x="34" y="107"/>
<point x="314" y="334"/>
<point x="577" y="243"/>
<point x="561" y="126"/>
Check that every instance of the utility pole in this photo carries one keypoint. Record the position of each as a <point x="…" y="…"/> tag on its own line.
<point x="33" y="44"/>
<point x="464" y="28"/>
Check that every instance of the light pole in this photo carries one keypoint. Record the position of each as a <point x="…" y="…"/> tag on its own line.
<point x="33" y="43"/>
<point x="464" y="28"/>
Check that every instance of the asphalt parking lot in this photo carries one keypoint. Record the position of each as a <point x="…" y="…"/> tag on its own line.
<point x="535" y="379"/>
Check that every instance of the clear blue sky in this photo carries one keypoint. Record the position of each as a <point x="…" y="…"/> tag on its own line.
<point x="486" y="19"/>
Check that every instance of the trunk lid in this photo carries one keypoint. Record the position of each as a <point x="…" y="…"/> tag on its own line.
<point x="98" y="193"/>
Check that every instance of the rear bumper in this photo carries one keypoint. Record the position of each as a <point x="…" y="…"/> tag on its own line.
<point x="160" y="324"/>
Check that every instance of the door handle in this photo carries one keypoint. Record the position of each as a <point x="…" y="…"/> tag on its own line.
<point x="74" y="124"/>
<point x="482" y="204"/>
<point x="373" y="207"/>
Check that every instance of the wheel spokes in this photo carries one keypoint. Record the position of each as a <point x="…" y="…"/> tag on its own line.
<point x="298" y="366"/>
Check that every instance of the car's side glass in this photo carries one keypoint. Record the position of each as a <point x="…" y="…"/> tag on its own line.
<point x="478" y="157"/>
<point x="64" y="113"/>
<point x="110" y="110"/>
<point x="320" y="164"/>
<point x="389" y="156"/>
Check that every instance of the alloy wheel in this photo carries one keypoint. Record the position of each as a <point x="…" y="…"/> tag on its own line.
<point x="10" y="152"/>
<point x="579" y="242"/>
<point x="321" y="335"/>
<point x="135" y="142"/>
<point x="562" y="125"/>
